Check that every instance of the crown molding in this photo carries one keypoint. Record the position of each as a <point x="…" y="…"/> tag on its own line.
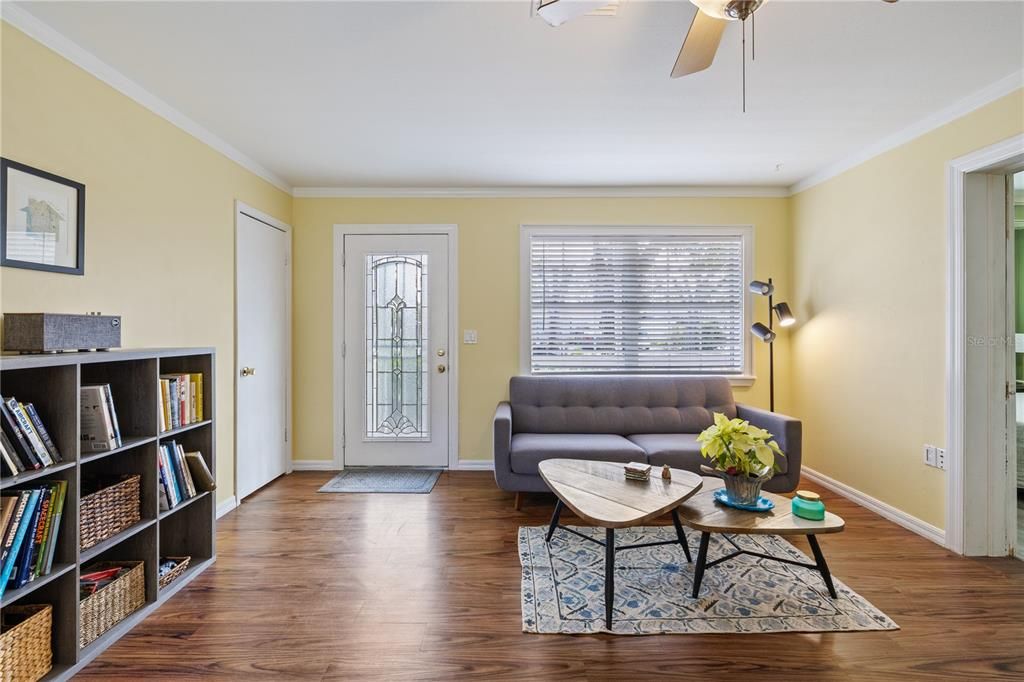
<point x="538" y="192"/>
<point x="1001" y="88"/>
<point x="41" y="32"/>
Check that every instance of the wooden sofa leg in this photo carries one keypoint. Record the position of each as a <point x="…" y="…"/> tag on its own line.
<point x="519" y="501"/>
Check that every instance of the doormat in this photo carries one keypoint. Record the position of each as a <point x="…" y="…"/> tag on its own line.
<point x="383" y="480"/>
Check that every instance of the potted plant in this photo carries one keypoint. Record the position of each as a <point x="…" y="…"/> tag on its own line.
<point x="743" y="456"/>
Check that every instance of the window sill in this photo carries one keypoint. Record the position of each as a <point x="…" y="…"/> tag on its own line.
<point x="735" y="380"/>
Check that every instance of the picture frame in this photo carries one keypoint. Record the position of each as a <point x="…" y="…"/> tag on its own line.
<point x="42" y="220"/>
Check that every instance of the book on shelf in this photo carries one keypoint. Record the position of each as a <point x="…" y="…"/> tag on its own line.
<point x="201" y="475"/>
<point x="99" y="430"/>
<point x="175" y="475"/>
<point x="181" y="400"/>
<point x="25" y="443"/>
<point x="31" y="524"/>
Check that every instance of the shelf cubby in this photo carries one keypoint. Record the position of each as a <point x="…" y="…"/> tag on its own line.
<point x="52" y="382"/>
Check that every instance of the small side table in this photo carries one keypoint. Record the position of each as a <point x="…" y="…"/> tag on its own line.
<point x="701" y="512"/>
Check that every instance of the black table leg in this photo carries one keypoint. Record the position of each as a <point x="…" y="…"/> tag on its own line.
<point x="702" y="560"/>
<point x="681" y="535"/>
<point x="819" y="559"/>
<point x="609" y="575"/>
<point x="554" y="520"/>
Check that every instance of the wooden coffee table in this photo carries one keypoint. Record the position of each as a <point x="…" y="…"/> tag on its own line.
<point x="601" y="495"/>
<point x="701" y="512"/>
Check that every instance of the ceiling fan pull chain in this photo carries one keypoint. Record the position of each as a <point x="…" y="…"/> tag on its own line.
<point x="743" y="60"/>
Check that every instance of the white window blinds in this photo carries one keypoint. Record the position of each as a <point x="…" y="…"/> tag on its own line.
<point x="654" y="303"/>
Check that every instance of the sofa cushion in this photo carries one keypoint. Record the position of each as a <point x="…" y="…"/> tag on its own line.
<point x="530" y="449"/>
<point x="617" y="404"/>
<point x="678" y="450"/>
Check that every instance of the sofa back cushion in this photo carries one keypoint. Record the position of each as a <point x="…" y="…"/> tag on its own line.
<point x="622" y="405"/>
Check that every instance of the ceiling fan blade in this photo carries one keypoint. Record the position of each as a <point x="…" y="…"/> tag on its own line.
<point x="700" y="45"/>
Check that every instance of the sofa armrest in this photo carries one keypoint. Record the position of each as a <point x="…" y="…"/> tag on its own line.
<point x="503" y="443"/>
<point x="788" y="433"/>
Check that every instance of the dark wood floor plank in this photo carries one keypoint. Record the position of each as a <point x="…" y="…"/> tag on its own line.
<point x="426" y="587"/>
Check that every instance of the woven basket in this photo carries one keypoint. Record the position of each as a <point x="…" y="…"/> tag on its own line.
<point x="175" y="572"/>
<point x="25" y="649"/>
<point x="110" y="605"/>
<point x="109" y="511"/>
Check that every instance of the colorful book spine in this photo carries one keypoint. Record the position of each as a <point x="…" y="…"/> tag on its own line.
<point x="39" y="534"/>
<point x="22" y="498"/>
<point x="13" y="431"/>
<point x="19" y="538"/>
<point x="108" y="398"/>
<point x="58" y="510"/>
<point x="37" y="422"/>
<point x="30" y="433"/>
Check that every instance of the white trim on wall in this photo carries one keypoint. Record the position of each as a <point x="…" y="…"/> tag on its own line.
<point x="314" y="465"/>
<point x="338" y="326"/>
<point x="226" y="506"/>
<point x="43" y="33"/>
<point x="886" y="511"/>
<point x="746" y="232"/>
<point x="962" y="512"/>
<point x="1002" y="87"/>
<point x="542" y="192"/>
<point x="475" y="465"/>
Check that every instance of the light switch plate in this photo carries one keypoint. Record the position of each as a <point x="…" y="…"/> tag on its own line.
<point x="468" y="336"/>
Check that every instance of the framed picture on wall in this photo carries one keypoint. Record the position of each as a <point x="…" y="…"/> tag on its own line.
<point x="42" y="220"/>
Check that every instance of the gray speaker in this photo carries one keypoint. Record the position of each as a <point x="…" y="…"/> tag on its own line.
<point x="53" y="332"/>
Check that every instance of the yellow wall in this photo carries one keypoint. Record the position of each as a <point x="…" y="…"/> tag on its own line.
<point x="489" y="290"/>
<point x="869" y="263"/>
<point x="159" y="215"/>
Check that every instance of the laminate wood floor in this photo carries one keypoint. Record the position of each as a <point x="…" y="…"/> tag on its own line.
<point x="392" y="587"/>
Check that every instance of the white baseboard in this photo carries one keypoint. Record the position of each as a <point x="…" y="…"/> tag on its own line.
<point x="226" y="506"/>
<point x="886" y="511"/>
<point x="313" y="465"/>
<point x="475" y="465"/>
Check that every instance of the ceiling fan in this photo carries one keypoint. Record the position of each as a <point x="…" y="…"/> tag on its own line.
<point x="702" y="39"/>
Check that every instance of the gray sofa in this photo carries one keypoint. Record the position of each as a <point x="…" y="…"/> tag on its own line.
<point x="622" y="419"/>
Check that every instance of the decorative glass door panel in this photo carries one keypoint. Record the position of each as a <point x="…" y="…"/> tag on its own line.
<point x="395" y="384"/>
<point x="397" y="381"/>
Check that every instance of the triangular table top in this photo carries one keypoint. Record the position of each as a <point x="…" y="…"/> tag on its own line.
<point x="600" y="493"/>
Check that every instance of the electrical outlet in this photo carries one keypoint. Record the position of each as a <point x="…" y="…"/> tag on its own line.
<point x="930" y="455"/>
<point x="940" y="458"/>
<point x="469" y="336"/>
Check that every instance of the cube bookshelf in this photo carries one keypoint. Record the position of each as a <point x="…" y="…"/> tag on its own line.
<point x="52" y="383"/>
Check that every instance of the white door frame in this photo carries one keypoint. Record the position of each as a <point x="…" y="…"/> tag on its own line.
<point x="241" y="208"/>
<point x="962" y="510"/>
<point x="338" y="413"/>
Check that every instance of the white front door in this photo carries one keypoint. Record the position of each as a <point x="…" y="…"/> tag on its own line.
<point x="396" y="356"/>
<point x="263" y="353"/>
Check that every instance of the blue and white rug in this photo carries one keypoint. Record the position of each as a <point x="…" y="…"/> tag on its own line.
<point x="563" y="588"/>
<point x="383" y="480"/>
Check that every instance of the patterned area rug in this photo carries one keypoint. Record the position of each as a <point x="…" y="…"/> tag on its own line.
<point x="383" y="480"/>
<point x="563" y="588"/>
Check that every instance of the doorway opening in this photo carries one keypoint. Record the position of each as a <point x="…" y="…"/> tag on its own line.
<point x="982" y="373"/>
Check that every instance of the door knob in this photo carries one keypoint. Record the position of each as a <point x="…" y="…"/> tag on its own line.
<point x="441" y="369"/>
<point x="248" y="371"/>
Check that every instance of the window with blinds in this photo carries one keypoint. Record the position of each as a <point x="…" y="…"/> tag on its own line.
<point x="654" y="303"/>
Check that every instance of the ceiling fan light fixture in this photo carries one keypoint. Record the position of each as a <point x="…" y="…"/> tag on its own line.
<point x="557" y="12"/>
<point x="731" y="10"/>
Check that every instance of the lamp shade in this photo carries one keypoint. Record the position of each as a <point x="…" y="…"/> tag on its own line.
<point x="784" y="314"/>
<point x="762" y="288"/>
<point x="762" y="332"/>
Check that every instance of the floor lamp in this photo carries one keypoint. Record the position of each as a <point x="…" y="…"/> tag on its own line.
<point x="767" y="334"/>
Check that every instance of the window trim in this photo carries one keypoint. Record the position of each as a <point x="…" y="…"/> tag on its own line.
<point x="528" y="231"/>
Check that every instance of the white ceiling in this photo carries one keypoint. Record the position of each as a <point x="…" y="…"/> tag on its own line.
<point x="474" y="94"/>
